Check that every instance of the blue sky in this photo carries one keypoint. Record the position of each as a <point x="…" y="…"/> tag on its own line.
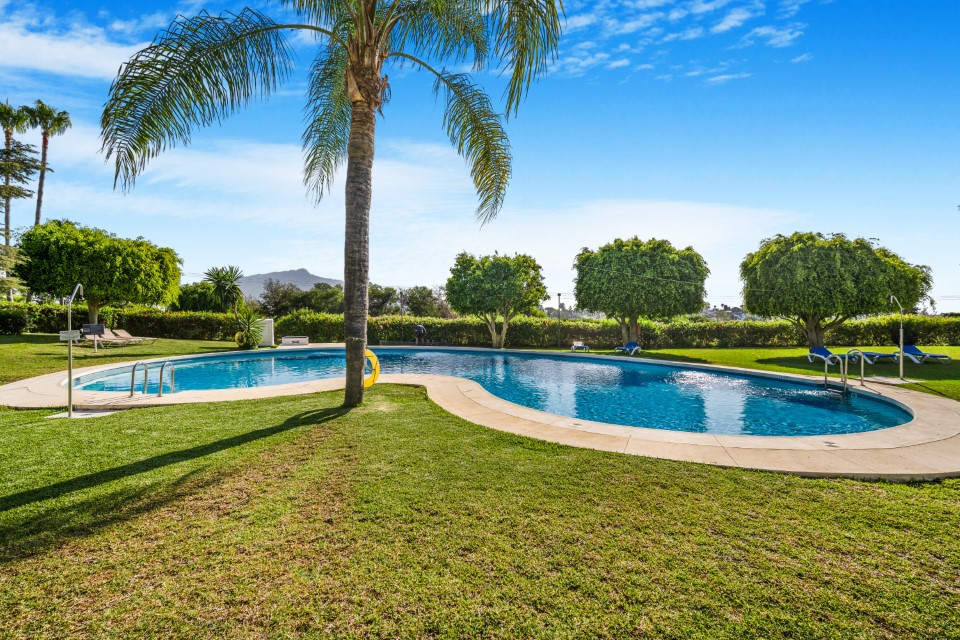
<point x="712" y="123"/>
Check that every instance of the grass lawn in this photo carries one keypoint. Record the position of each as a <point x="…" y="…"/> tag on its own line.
<point x="290" y="517"/>
<point x="39" y="353"/>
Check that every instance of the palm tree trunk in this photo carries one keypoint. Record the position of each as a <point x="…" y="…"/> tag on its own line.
<point x="43" y="174"/>
<point x="356" y="253"/>
<point x="8" y="141"/>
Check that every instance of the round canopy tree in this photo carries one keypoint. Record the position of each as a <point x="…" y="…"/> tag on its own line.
<point x="496" y="288"/>
<point x="632" y="279"/>
<point x="818" y="281"/>
<point x="58" y="254"/>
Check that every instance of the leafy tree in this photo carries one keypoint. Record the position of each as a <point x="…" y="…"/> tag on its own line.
<point x="51" y="123"/>
<point x="12" y="120"/>
<point x="632" y="279"/>
<point x="426" y="302"/>
<point x="18" y="164"/>
<point x="325" y="298"/>
<point x="197" y="296"/>
<point x="496" y="288"/>
<point x="280" y="299"/>
<point x="226" y="287"/>
<point x="9" y="258"/>
<point x="818" y="281"/>
<point x="58" y="254"/>
<point x="383" y="300"/>
<point x="203" y="68"/>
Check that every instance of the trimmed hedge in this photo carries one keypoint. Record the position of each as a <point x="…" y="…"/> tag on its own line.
<point x="13" y="320"/>
<point x="523" y="332"/>
<point x="184" y="325"/>
<point x="605" y="334"/>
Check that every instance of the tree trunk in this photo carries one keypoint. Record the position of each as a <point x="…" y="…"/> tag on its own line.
<point x="814" y="332"/>
<point x="634" y="330"/>
<point x="8" y="141"/>
<point x="356" y="262"/>
<point x="503" y="332"/>
<point x="492" y="328"/>
<point x="43" y="174"/>
<point x="624" y="330"/>
<point x="93" y="311"/>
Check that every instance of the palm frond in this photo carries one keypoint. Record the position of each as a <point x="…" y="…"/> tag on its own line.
<point x="328" y="13"/>
<point x="476" y="130"/>
<point x="328" y="120"/>
<point x="449" y="30"/>
<point x="197" y="72"/>
<point x="525" y="35"/>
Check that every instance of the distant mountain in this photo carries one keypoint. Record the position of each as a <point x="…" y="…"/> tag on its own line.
<point x="252" y="286"/>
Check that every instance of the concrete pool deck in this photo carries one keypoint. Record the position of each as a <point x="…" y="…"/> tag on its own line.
<point x="926" y="448"/>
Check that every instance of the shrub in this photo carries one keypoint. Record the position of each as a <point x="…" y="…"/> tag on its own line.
<point x="183" y="325"/>
<point x="13" y="320"/>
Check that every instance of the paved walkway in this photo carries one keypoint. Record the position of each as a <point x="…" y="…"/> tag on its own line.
<point x="926" y="448"/>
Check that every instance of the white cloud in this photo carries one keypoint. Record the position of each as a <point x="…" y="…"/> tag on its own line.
<point x="778" y="37"/>
<point x="725" y="78"/>
<point x="617" y="64"/>
<point x="790" y="8"/>
<point x="807" y="57"/>
<point x="737" y="17"/>
<point x="688" y="34"/>
<point x="31" y="41"/>
<point x="698" y="7"/>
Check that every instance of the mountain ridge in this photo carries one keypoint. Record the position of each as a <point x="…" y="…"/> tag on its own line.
<point x="252" y="285"/>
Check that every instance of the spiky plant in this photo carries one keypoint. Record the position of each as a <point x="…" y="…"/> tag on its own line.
<point x="51" y="123"/>
<point x="226" y="287"/>
<point x="202" y="69"/>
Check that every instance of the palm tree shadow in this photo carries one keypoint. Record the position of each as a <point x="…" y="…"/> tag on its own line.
<point x="89" y="480"/>
<point x="39" y="526"/>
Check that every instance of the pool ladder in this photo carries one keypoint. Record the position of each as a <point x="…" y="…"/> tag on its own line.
<point x="133" y="377"/>
<point x="845" y="368"/>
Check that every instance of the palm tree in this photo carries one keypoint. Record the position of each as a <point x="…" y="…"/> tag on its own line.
<point x="226" y="287"/>
<point x="51" y="123"/>
<point x="12" y="120"/>
<point x="202" y="69"/>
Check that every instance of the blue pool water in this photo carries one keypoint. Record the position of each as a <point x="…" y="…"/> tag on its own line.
<point x="625" y="392"/>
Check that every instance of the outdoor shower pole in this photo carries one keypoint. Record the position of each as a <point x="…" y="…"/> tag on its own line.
<point x="73" y="295"/>
<point x="892" y="300"/>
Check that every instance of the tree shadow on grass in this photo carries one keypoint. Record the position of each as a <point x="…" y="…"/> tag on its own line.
<point x="71" y="516"/>
<point x="670" y="357"/>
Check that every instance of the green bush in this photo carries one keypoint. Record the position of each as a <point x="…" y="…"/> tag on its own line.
<point x="605" y="334"/>
<point x="183" y="325"/>
<point x="525" y="331"/>
<point x="13" y="320"/>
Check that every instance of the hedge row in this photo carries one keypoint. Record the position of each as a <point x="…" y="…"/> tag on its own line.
<point x="18" y="317"/>
<point x="523" y="331"/>
<point x="605" y="334"/>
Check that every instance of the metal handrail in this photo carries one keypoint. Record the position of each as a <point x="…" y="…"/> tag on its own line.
<point x="846" y="367"/>
<point x="133" y="373"/>
<point x="826" y="368"/>
<point x="172" y="373"/>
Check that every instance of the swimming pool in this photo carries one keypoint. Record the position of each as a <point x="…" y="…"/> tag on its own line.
<point x="617" y="391"/>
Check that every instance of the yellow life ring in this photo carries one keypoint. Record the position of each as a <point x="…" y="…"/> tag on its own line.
<point x="375" y="365"/>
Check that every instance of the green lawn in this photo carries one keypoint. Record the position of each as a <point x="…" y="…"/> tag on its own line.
<point x="39" y="353"/>
<point x="291" y="517"/>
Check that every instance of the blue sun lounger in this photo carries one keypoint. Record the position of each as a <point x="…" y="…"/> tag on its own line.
<point x="630" y="348"/>
<point x="920" y="357"/>
<point x="822" y="353"/>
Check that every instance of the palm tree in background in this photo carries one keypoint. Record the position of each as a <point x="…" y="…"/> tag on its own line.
<point x="203" y="68"/>
<point x="12" y="120"/>
<point x="51" y="123"/>
<point x="226" y="287"/>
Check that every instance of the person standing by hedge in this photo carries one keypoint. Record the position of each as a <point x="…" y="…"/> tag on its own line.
<point x="421" y="332"/>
